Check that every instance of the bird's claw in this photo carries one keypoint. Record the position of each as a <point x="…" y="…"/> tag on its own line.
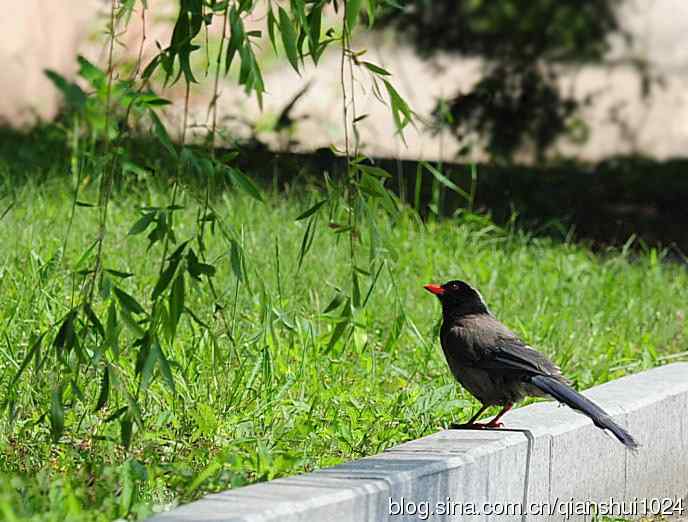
<point x="476" y="426"/>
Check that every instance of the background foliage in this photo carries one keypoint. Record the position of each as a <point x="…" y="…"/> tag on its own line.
<point x="518" y="104"/>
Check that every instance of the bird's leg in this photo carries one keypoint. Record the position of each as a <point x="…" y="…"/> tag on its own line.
<point x="471" y="423"/>
<point x="494" y="423"/>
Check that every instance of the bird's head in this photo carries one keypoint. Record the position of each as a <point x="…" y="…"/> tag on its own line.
<point x="458" y="298"/>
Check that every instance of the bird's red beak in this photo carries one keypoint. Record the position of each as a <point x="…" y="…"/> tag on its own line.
<point x="435" y="289"/>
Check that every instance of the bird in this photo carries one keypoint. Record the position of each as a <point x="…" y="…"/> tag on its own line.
<point x="500" y="369"/>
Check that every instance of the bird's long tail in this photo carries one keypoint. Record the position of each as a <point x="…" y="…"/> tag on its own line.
<point x="564" y="393"/>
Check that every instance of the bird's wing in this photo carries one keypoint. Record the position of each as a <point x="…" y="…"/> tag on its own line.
<point x="494" y="347"/>
<point x="516" y="355"/>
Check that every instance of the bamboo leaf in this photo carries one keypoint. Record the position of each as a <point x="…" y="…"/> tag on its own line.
<point x="128" y="302"/>
<point x="337" y="300"/>
<point x="92" y="74"/>
<point x="372" y="8"/>
<point x="288" y="38"/>
<point x="195" y="318"/>
<point x="235" y="259"/>
<point x="374" y="171"/>
<point x="33" y="352"/>
<point x="166" y="276"/>
<point x="272" y="21"/>
<point x="112" y="330"/>
<point x="64" y="340"/>
<point x="356" y="293"/>
<point x="126" y="428"/>
<point x="142" y="223"/>
<point x="56" y="414"/>
<point x="236" y="38"/>
<point x="307" y="240"/>
<point x="104" y="389"/>
<point x="150" y="357"/>
<point x="176" y="303"/>
<point x="444" y="180"/>
<point x="314" y="24"/>
<point x="93" y="319"/>
<point x="400" y="110"/>
<point x="266" y="367"/>
<point x="195" y="268"/>
<point x="372" y="186"/>
<point x="336" y="334"/>
<point x="375" y="69"/>
<point x="244" y="183"/>
<point x="79" y="265"/>
<point x="76" y="391"/>
<point x="72" y="93"/>
<point x="165" y="370"/>
<point x="117" y="273"/>
<point x="311" y="211"/>
<point x="151" y="67"/>
<point x="353" y="8"/>
<point x="131" y="323"/>
<point x="162" y="135"/>
<point x="372" y="285"/>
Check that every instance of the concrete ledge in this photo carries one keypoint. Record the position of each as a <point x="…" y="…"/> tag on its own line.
<point x="561" y="457"/>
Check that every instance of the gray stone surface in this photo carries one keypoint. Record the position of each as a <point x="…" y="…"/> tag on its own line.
<point x="562" y="457"/>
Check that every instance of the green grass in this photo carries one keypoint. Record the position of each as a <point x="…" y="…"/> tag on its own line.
<point x="274" y="396"/>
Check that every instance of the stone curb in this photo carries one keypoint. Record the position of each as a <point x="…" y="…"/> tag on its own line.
<point x="557" y="453"/>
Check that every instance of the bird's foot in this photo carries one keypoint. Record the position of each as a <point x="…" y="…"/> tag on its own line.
<point x="476" y="425"/>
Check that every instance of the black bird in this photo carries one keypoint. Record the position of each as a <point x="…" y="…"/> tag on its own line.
<point x="497" y="367"/>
